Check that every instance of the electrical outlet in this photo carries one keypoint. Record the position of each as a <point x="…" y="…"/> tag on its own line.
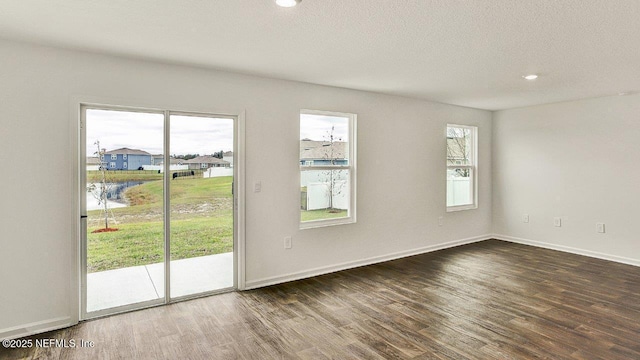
<point x="600" y="228"/>
<point x="257" y="187"/>
<point x="557" y="222"/>
<point x="440" y="221"/>
<point x="525" y="218"/>
<point x="287" y="242"/>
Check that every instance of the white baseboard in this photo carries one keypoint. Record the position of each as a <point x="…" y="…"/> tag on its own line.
<point x="568" y="249"/>
<point x="254" y="284"/>
<point x="36" y="328"/>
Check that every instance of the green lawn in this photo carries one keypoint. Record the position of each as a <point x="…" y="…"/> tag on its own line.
<point x="202" y="224"/>
<point x="321" y="214"/>
<point x="142" y="243"/>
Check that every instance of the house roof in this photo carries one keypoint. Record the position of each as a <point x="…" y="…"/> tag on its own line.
<point x="93" y="160"/>
<point x="316" y="150"/>
<point x="228" y="153"/>
<point x="127" y="151"/>
<point x="205" y="159"/>
<point x="173" y="161"/>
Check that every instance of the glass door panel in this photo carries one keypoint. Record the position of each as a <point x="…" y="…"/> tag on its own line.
<point x="123" y="203"/>
<point x="201" y="204"/>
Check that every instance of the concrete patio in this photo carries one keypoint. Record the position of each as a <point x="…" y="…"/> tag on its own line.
<point x="107" y="289"/>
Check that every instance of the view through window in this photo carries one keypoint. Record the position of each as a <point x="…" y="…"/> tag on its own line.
<point x="327" y="168"/>
<point x="461" y="167"/>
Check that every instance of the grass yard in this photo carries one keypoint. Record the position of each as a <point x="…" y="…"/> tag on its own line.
<point x="202" y="224"/>
<point x="321" y="214"/>
<point x="142" y="243"/>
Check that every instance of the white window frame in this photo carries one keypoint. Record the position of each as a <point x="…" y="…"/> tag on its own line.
<point x="112" y="165"/>
<point x="124" y="165"/>
<point x="473" y="167"/>
<point x="114" y="156"/>
<point x="351" y="213"/>
<point x="124" y="156"/>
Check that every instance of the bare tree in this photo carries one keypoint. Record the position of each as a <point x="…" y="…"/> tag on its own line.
<point x="458" y="149"/>
<point x="333" y="154"/>
<point x="101" y="190"/>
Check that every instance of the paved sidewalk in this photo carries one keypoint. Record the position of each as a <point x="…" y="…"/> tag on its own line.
<point x="107" y="289"/>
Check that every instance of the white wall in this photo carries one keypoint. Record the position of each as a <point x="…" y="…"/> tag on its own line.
<point x="397" y="210"/>
<point x="575" y="160"/>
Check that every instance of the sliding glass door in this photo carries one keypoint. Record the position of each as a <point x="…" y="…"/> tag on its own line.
<point x="157" y="207"/>
<point x="201" y="204"/>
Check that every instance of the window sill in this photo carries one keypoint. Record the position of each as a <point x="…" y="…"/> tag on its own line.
<point x="325" y="223"/>
<point x="461" y="208"/>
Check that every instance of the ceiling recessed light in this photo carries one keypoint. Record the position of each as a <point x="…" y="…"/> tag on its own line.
<point x="287" y="3"/>
<point x="530" y="77"/>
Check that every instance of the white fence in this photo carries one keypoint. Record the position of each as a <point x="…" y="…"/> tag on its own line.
<point x="322" y="176"/>
<point x="217" y="172"/>
<point x="207" y="173"/>
<point x="318" y="195"/>
<point x="161" y="167"/>
<point x="458" y="190"/>
<point x="145" y="167"/>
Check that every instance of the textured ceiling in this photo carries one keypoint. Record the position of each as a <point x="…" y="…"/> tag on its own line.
<point x="466" y="52"/>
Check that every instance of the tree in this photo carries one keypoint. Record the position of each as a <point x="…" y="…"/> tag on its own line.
<point x="101" y="190"/>
<point x="336" y="184"/>
<point x="458" y="148"/>
<point x="186" y="157"/>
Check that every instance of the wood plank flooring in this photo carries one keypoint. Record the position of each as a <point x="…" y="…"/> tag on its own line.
<point x="488" y="300"/>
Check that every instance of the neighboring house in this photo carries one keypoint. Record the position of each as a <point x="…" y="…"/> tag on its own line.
<point x="323" y="153"/>
<point x="93" y="163"/>
<point x="126" y="159"/>
<point x="228" y="156"/>
<point x="157" y="159"/>
<point x="205" y="162"/>
<point x="172" y="161"/>
<point x="93" y="160"/>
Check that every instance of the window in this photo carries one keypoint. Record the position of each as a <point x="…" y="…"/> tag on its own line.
<point x="461" y="167"/>
<point x="203" y="166"/>
<point x="124" y="156"/>
<point x="114" y="157"/>
<point x="124" y="164"/>
<point x="327" y="168"/>
<point x="112" y="165"/>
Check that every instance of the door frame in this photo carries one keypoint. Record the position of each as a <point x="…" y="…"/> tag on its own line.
<point x="77" y="298"/>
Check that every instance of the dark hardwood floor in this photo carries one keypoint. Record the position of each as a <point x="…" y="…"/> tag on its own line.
<point x="489" y="300"/>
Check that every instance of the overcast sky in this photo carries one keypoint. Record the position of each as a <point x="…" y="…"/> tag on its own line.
<point x="318" y="127"/>
<point x="189" y="134"/>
